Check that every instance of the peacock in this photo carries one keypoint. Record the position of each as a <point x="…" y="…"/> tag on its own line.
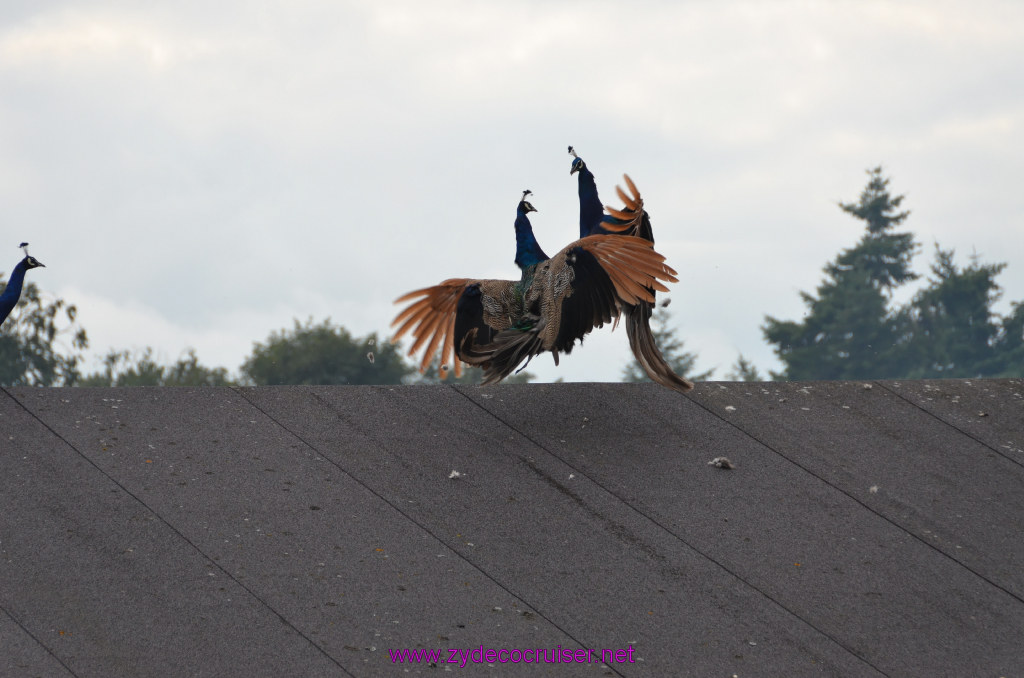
<point x="12" y="292"/>
<point x="528" y="251"/>
<point x="632" y="220"/>
<point x="499" y="324"/>
<point x="596" y="218"/>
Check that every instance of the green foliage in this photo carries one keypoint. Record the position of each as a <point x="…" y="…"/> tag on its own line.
<point x="848" y="330"/>
<point x="189" y="372"/>
<point x="324" y="354"/>
<point x="851" y="330"/>
<point x="950" y="329"/>
<point x="842" y="334"/>
<point x="30" y="354"/>
<point x="1010" y="361"/>
<point x="743" y="370"/>
<point x="125" y="368"/>
<point x="885" y="256"/>
<point x="470" y="375"/>
<point x="671" y="347"/>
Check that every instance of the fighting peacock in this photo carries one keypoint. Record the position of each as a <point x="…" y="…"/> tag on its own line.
<point x="12" y="292"/>
<point x="632" y="220"/>
<point x="499" y="324"/>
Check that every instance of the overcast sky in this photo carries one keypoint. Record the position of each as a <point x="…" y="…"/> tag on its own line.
<point x="200" y="174"/>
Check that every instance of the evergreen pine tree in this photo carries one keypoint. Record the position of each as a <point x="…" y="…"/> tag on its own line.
<point x="849" y="332"/>
<point x="1009" y="361"/>
<point x="743" y="370"/>
<point x="949" y="329"/>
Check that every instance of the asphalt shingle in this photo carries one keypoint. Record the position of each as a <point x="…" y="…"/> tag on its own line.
<point x="867" y="529"/>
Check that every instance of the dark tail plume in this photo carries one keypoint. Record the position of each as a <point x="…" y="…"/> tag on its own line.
<point x="641" y="340"/>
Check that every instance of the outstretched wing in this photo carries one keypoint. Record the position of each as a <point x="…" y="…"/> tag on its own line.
<point x="633" y="265"/>
<point x="580" y="288"/>
<point x="457" y="316"/>
<point x="628" y="220"/>
<point x="606" y="273"/>
<point x="430" y="318"/>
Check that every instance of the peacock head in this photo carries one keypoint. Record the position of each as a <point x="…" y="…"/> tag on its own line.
<point x="30" y="261"/>
<point x="524" y="204"/>
<point x="577" y="162"/>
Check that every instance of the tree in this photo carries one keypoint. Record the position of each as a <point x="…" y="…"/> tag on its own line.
<point x="671" y="347"/>
<point x="470" y="375"/>
<point x="125" y="368"/>
<point x="884" y="255"/>
<point x="1010" y="343"/>
<point x="849" y="331"/>
<point x="324" y="354"/>
<point x="30" y="351"/>
<point x="949" y="329"/>
<point x="189" y="372"/>
<point x="743" y="370"/>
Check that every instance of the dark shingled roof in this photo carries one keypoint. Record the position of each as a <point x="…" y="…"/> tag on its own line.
<point x="867" y="529"/>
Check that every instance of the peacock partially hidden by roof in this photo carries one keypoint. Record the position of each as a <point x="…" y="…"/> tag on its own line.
<point x="12" y="292"/>
<point x="499" y="324"/>
<point x="632" y="220"/>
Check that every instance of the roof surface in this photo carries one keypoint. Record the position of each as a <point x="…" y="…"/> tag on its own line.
<point x="867" y="529"/>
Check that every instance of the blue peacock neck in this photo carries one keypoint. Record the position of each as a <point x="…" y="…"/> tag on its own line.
<point x="528" y="251"/>
<point x="591" y="210"/>
<point x="11" y="293"/>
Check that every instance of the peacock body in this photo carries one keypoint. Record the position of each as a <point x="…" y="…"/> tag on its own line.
<point x="499" y="324"/>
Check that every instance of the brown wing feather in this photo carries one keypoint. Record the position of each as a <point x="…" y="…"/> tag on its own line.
<point x="633" y="190"/>
<point x="576" y="292"/>
<point x="430" y="318"/>
<point x="632" y="263"/>
<point x="648" y="262"/>
<point x="626" y="289"/>
<point x="629" y="202"/>
<point x="632" y="213"/>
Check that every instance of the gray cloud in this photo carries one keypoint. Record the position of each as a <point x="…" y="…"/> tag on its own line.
<point x="215" y="171"/>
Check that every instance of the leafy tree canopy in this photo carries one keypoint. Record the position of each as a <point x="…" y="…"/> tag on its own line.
<point x="30" y="342"/>
<point x="127" y="368"/>
<point x="324" y="354"/>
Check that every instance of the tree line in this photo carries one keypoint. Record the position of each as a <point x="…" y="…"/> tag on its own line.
<point x="852" y="330"/>
<point x="308" y="353"/>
